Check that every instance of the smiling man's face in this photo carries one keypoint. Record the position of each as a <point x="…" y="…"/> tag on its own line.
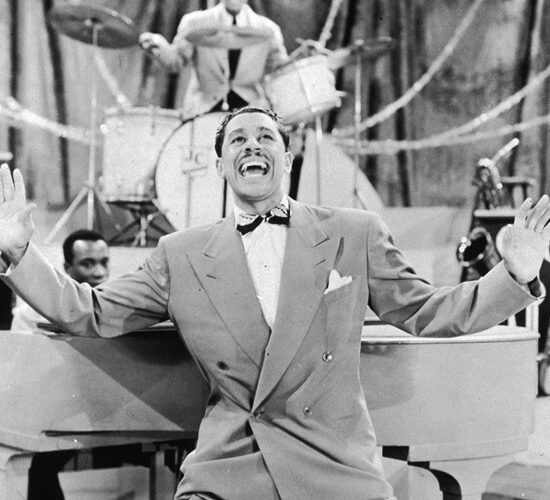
<point x="254" y="161"/>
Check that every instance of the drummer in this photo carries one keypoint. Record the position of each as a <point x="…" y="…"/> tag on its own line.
<point x="228" y="71"/>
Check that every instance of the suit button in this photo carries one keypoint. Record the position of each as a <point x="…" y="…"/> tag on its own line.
<point x="222" y="365"/>
<point x="258" y="414"/>
<point x="307" y="411"/>
<point x="327" y="357"/>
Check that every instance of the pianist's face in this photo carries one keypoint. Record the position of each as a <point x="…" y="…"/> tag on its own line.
<point x="90" y="262"/>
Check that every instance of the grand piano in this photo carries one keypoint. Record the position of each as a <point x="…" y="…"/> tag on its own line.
<point x="458" y="407"/>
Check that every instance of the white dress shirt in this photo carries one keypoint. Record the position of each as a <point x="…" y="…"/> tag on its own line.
<point x="265" y="250"/>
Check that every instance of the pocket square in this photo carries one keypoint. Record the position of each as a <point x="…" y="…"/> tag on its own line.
<point x="336" y="281"/>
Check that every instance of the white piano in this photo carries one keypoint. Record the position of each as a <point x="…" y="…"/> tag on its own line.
<point x="459" y="407"/>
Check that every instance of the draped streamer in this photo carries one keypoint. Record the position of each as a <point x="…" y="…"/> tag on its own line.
<point x="413" y="91"/>
<point x="390" y="147"/>
<point x="326" y="32"/>
<point x="457" y="135"/>
<point x="500" y="108"/>
<point x="18" y="116"/>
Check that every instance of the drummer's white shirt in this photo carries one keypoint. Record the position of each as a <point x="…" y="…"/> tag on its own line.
<point x="265" y="250"/>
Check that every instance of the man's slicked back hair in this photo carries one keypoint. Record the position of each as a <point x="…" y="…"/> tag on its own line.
<point x="220" y="132"/>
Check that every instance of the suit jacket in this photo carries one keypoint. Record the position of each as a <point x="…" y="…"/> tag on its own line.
<point x="209" y="82"/>
<point x="286" y="417"/>
<point x="25" y="318"/>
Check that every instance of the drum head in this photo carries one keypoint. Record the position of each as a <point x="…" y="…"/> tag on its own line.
<point x="302" y="90"/>
<point x="188" y="188"/>
<point x="132" y="140"/>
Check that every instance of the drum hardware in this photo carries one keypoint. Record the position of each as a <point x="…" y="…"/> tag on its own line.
<point x="357" y="114"/>
<point x="318" y="139"/>
<point x="228" y="37"/>
<point x="94" y="24"/>
<point x="190" y="172"/>
<point x="144" y="213"/>
<point x="99" y="27"/>
<point x="367" y="50"/>
<point x="307" y="48"/>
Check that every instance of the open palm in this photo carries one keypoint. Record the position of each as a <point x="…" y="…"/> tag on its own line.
<point x="525" y="242"/>
<point x="16" y="226"/>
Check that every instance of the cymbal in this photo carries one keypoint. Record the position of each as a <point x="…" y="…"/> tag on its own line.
<point x="228" y="37"/>
<point x="368" y="50"/>
<point x="77" y="21"/>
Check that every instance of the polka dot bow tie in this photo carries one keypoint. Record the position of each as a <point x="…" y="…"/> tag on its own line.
<point x="248" y="222"/>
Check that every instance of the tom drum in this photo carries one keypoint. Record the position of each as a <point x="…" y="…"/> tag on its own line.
<point x="302" y="90"/>
<point x="132" y="140"/>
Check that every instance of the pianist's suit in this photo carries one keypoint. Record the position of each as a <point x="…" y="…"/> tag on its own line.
<point x="286" y="411"/>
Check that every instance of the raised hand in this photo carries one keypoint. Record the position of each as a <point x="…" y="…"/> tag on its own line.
<point x="525" y="242"/>
<point x="16" y="226"/>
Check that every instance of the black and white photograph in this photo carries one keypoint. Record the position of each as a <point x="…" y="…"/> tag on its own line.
<point x="274" y="249"/>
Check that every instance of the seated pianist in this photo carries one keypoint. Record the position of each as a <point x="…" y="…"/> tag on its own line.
<point x="86" y="260"/>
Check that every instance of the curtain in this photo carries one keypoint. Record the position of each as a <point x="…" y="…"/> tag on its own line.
<point x="51" y="74"/>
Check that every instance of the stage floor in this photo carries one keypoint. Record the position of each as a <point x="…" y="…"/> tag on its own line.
<point x="528" y="476"/>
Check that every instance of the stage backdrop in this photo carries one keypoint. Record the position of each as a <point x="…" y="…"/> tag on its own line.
<point x="504" y="47"/>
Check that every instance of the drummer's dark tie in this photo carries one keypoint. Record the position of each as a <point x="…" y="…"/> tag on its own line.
<point x="277" y="215"/>
<point x="233" y="55"/>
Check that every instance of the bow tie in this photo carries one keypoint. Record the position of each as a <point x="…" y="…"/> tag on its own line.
<point x="248" y="222"/>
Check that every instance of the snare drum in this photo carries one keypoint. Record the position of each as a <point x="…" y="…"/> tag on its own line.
<point x="132" y="140"/>
<point x="188" y="188"/>
<point x="302" y="90"/>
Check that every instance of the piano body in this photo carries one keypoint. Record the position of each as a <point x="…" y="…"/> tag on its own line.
<point x="459" y="407"/>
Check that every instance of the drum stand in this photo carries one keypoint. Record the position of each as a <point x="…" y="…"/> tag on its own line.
<point x="357" y="114"/>
<point x="318" y="139"/>
<point x="88" y="191"/>
<point x="144" y="214"/>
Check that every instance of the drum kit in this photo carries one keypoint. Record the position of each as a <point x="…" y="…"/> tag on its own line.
<point x="157" y="163"/>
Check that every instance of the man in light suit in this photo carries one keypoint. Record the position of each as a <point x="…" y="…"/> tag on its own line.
<point x="222" y="79"/>
<point x="270" y="302"/>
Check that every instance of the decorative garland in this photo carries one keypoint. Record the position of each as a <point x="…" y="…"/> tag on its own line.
<point x="326" y="32"/>
<point x="413" y="91"/>
<point x="12" y="112"/>
<point x="500" y="108"/>
<point x="390" y="146"/>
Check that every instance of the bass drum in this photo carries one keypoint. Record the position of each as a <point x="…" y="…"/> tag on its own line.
<point x="189" y="191"/>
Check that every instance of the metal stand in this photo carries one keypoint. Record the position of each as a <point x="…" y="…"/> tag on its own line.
<point x="318" y="139"/>
<point x="88" y="191"/>
<point x="144" y="214"/>
<point x="357" y="115"/>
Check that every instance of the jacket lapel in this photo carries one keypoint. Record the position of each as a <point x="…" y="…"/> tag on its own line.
<point x="222" y="269"/>
<point x="309" y="257"/>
